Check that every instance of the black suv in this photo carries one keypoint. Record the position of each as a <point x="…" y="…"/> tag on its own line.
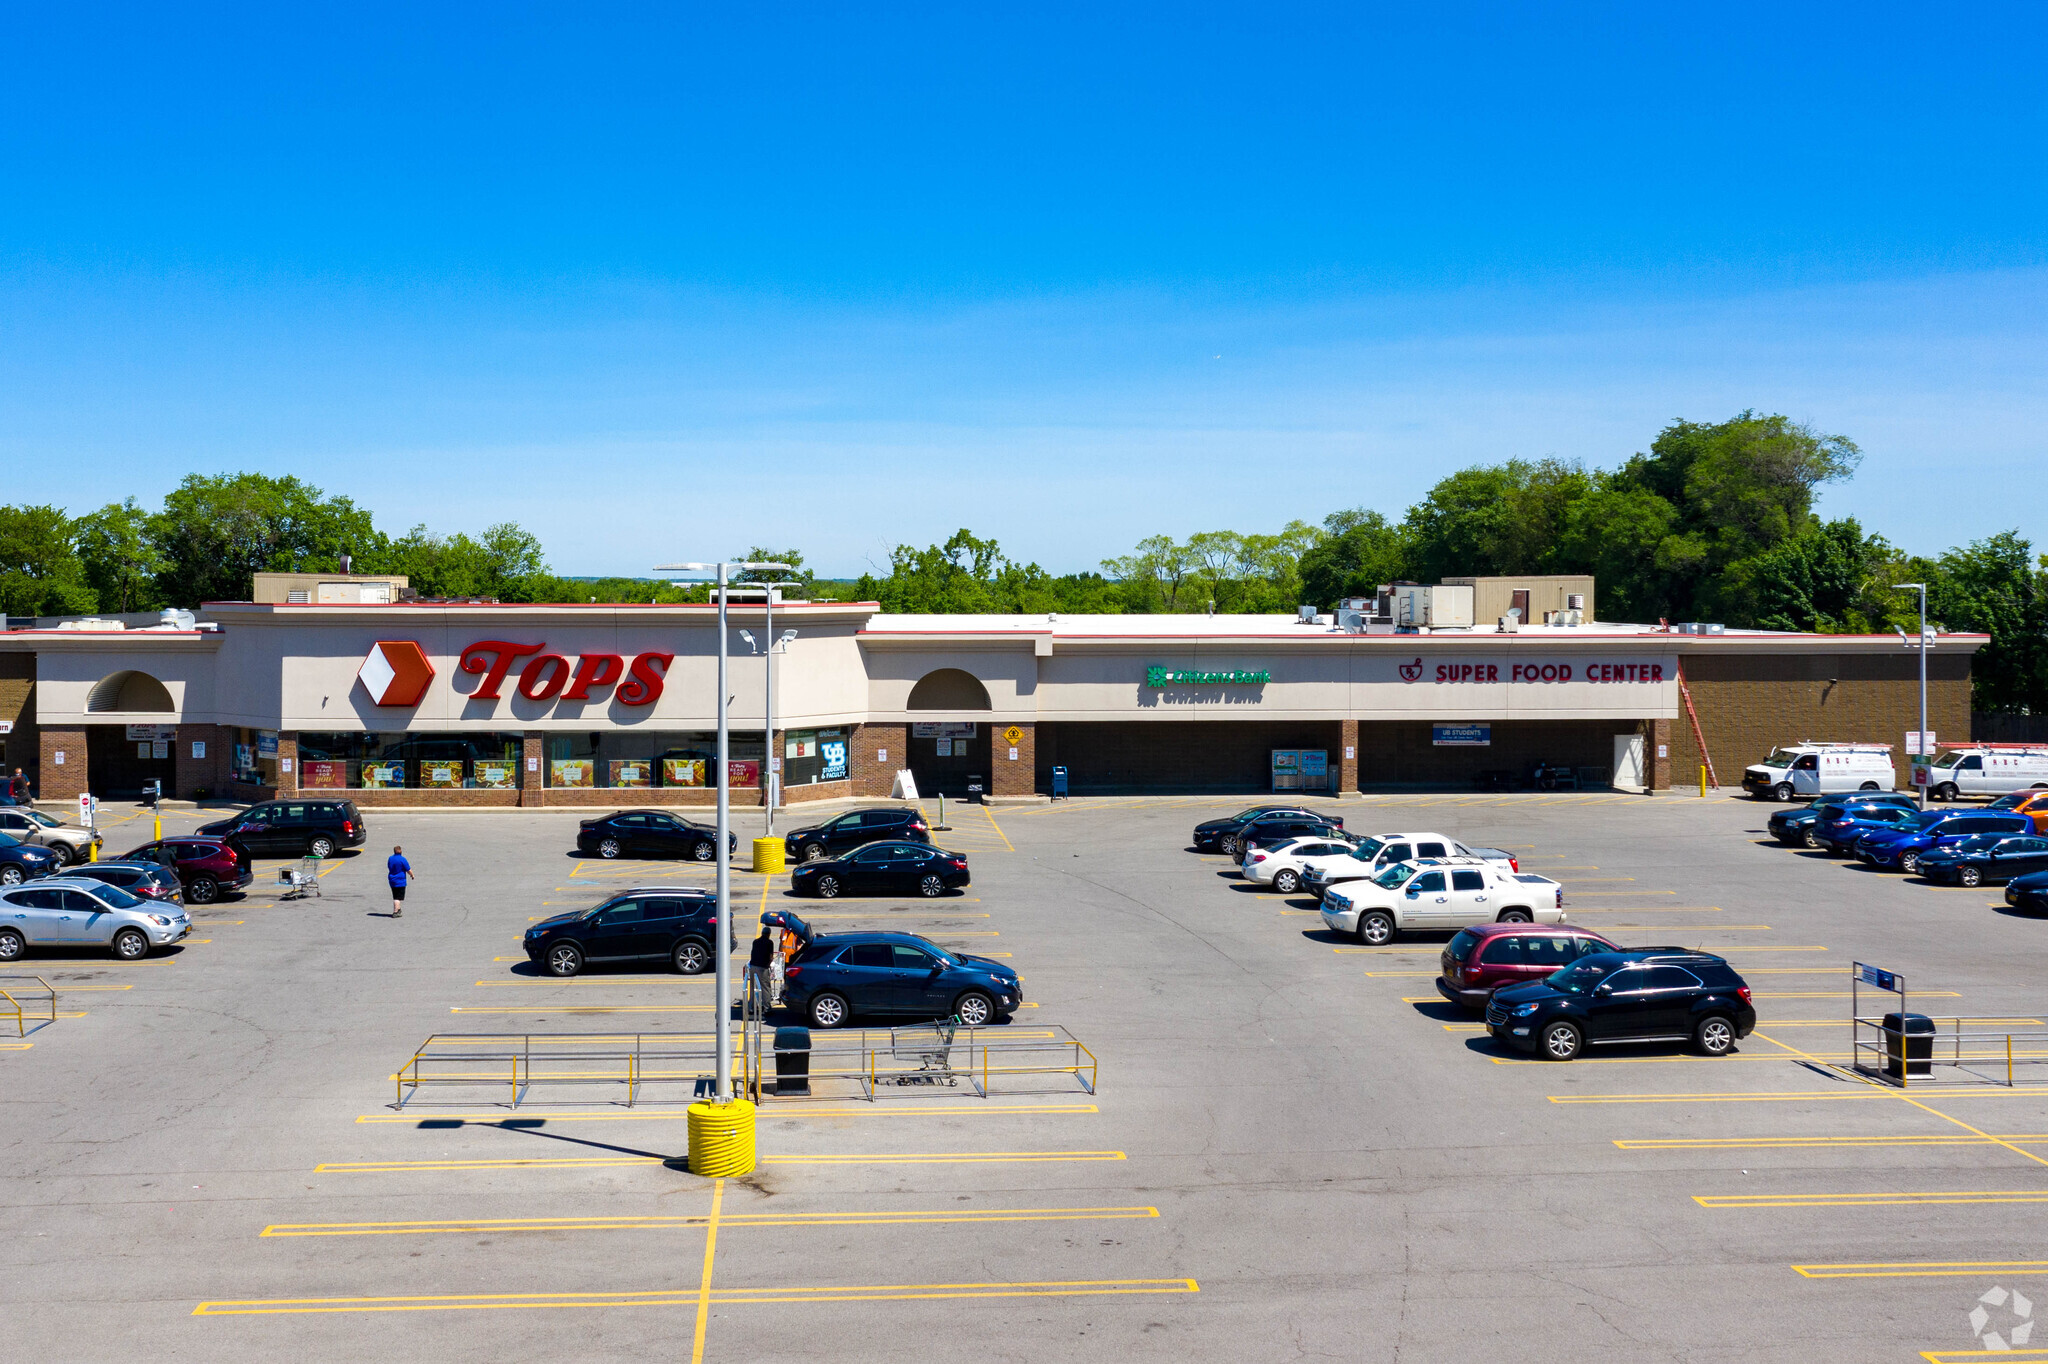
<point x="294" y="828"/>
<point x="651" y="833"/>
<point x="1649" y="994"/>
<point x="857" y="828"/>
<point x="1266" y="823"/>
<point x="679" y="923"/>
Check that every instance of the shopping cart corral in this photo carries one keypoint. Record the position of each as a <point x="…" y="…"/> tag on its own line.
<point x="1903" y="1048"/>
<point x="25" y="1000"/>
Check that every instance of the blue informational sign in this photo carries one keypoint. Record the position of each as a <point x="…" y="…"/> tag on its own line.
<point x="833" y="751"/>
<point x="1870" y="975"/>
<point x="1461" y="736"/>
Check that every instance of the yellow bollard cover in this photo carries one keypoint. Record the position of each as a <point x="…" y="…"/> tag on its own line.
<point x="768" y="855"/>
<point x="722" y="1138"/>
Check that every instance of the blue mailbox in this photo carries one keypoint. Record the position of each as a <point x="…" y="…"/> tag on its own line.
<point x="1059" y="783"/>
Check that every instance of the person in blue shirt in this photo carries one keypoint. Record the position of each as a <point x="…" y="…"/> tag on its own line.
<point x="399" y="871"/>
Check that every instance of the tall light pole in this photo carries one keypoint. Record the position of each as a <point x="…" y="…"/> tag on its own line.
<point x="1921" y="644"/>
<point x="723" y="1012"/>
<point x="771" y="783"/>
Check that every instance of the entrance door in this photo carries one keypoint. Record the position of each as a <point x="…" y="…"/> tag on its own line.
<point x="1628" y="762"/>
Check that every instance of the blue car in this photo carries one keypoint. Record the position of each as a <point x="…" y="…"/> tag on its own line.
<point x="1899" y="849"/>
<point x="2028" y="893"/>
<point x="838" y="976"/>
<point x="1794" y="828"/>
<point x="1837" y="834"/>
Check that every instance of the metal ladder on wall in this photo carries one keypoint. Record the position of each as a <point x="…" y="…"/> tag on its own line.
<point x="1699" y="735"/>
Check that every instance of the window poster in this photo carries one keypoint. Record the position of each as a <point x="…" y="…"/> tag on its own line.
<point x="832" y="746"/>
<point x="323" y="774"/>
<point x="495" y="774"/>
<point x="632" y="772"/>
<point x="682" y="771"/>
<point x="580" y="772"/>
<point x="743" y="772"/>
<point x="441" y="773"/>
<point x="379" y="776"/>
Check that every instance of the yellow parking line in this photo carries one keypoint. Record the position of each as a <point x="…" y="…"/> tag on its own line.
<point x="685" y="1221"/>
<point x="377" y="1167"/>
<point x="1816" y="1143"/>
<point x="1589" y="894"/>
<point x="16" y="1046"/>
<point x="687" y="1297"/>
<point x="591" y="1009"/>
<point x="1931" y="1269"/>
<point x="990" y="815"/>
<point x="1724" y="951"/>
<point x="1860" y="1090"/>
<point x="1869" y="1200"/>
<point x="1593" y="880"/>
<point x="780" y="1113"/>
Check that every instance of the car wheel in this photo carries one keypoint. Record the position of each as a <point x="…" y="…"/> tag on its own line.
<point x="1811" y="840"/>
<point x="1514" y="916"/>
<point x="692" y="958"/>
<point x="12" y="945"/>
<point x="1286" y="882"/>
<point x="608" y="848"/>
<point x="705" y="851"/>
<point x="1561" y="1042"/>
<point x="1969" y="876"/>
<point x="1715" y="1036"/>
<point x="829" y="1010"/>
<point x="814" y="852"/>
<point x="1868" y="786"/>
<point x="1376" y="929"/>
<point x="828" y="887"/>
<point x="1232" y="848"/>
<point x="65" y="855"/>
<point x="320" y="846"/>
<point x="974" y="1009"/>
<point x="931" y="887"/>
<point x="565" y="959"/>
<point x="1948" y="790"/>
<point x="12" y="876"/>
<point x="1782" y="792"/>
<point x="130" y="944"/>
<point x="1909" y="862"/>
<point x="204" y="890"/>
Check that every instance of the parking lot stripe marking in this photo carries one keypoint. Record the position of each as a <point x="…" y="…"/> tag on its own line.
<point x="1869" y="1200"/>
<point x="1808" y="1143"/>
<point x="1427" y="947"/>
<point x="989" y="815"/>
<point x="1861" y="1090"/>
<point x="1696" y="928"/>
<point x="1588" y="894"/>
<point x="1653" y="909"/>
<point x="1844" y="994"/>
<point x="1931" y="1269"/>
<point x="704" y="1284"/>
<point x="2007" y="1356"/>
<point x="588" y="1009"/>
<point x="683" y="1297"/>
<point x="778" y="1112"/>
<point x="16" y="1046"/>
<point x="379" y="1167"/>
<point x="598" y="980"/>
<point x="1403" y="973"/>
<point x="1593" y="880"/>
<point x="714" y="1221"/>
<point x="61" y="988"/>
<point x="1724" y="951"/>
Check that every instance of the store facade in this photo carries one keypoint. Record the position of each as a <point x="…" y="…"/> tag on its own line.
<point x="525" y="706"/>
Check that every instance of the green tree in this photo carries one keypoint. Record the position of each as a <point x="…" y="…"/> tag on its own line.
<point x="216" y="533"/>
<point x="1157" y="570"/>
<point x="1996" y="585"/>
<point x="40" y="571"/>
<point x="1824" y="580"/>
<point x="121" y="560"/>
<point x="1495" y="519"/>
<point x="1358" y="552"/>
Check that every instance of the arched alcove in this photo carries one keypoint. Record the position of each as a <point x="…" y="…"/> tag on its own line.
<point x="129" y="691"/>
<point x="948" y="689"/>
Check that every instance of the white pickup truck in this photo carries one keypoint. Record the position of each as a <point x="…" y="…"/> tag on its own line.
<point x="1440" y="894"/>
<point x="1377" y="852"/>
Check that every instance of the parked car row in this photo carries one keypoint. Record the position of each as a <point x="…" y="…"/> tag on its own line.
<point x="73" y="912"/>
<point x="1811" y="769"/>
<point x="1966" y="847"/>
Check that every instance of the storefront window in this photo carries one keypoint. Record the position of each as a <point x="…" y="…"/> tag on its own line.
<point x="375" y="762"/>
<point x="633" y="760"/>
<point x="253" y="756"/>
<point x="810" y="756"/>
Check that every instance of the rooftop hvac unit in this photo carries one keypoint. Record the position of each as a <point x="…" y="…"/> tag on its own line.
<point x="1574" y="601"/>
<point x="1351" y="622"/>
<point x="1701" y="627"/>
<point x="1304" y="615"/>
<point x="1435" y="608"/>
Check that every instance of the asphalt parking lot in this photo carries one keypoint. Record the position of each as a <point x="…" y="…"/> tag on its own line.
<point x="1296" y="1149"/>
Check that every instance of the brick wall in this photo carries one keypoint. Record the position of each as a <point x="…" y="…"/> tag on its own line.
<point x="287" y="757"/>
<point x="1657" y="753"/>
<point x="533" y="761"/>
<point x="1018" y="778"/>
<point x="65" y="780"/>
<point x="874" y="776"/>
<point x="21" y="747"/>
<point x="1749" y="705"/>
<point x="211" y="772"/>
<point x="1346" y="756"/>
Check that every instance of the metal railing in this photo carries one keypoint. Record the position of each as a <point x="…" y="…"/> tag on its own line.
<point x="17" y="994"/>
<point x="862" y="1062"/>
<point x="1983" y="1055"/>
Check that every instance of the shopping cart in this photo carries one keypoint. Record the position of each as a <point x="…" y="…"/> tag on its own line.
<point x="931" y="1046"/>
<point x="300" y="879"/>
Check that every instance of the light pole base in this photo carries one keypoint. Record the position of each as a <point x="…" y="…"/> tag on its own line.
<point x="722" y="1138"/>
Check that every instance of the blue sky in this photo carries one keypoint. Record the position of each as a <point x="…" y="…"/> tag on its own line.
<point x="661" y="281"/>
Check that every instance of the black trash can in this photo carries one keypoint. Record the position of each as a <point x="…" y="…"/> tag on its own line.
<point x="1914" y="1051"/>
<point x="977" y="790"/>
<point x="792" y="1060"/>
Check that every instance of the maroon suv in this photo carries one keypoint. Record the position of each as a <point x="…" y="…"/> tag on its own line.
<point x="205" y="866"/>
<point x="1489" y="957"/>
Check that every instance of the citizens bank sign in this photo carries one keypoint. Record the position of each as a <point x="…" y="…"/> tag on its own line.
<point x="1172" y="677"/>
<point x="396" y="673"/>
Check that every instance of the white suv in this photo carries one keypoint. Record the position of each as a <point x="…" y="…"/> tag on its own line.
<point x="73" y="912"/>
<point x="1440" y="894"/>
<point x="1379" y="851"/>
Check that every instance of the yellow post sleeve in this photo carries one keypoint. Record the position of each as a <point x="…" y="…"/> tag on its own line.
<point x="768" y="856"/>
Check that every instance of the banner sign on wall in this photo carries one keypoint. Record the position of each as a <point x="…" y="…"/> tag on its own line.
<point x="1461" y="736"/>
<point x="943" y="729"/>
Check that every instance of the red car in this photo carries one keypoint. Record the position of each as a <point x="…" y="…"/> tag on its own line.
<point x="205" y="866"/>
<point x="1489" y="957"/>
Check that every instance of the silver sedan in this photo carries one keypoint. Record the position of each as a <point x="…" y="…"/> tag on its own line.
<point x="82" y="913"/>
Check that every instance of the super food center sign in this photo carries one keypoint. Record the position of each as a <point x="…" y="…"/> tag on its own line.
<point x="1183" y="677"/>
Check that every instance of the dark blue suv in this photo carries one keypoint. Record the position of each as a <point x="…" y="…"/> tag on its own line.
<point x="1837" y="834"/>
<point x="1899" y="849"/>
<point x="1795" y="827"/>
<point x="839" y="975"/>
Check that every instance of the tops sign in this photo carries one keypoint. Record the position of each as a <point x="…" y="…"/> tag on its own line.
<point x="396" y="673"/>
<point x="1171" y="677"/>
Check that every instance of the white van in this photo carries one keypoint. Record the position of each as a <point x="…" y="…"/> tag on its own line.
<point x="1809" y="769"/>
<point x="1988" y="770"/>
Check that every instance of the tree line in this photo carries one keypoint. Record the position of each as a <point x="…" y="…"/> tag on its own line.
<point x="1715" y="521"/>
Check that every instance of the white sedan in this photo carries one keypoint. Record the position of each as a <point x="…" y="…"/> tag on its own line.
<point x="1282" y="866"/>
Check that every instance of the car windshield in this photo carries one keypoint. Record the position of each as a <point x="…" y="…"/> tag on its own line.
<point x="1247" y="814"/>
<point x="1393" y="876"/>
<point x="1368" y="850"/>
<point x="1948" y="760"/>
<point x="2011" y="802"/>
<point x="1577" y="979"/>
<point x="1926" y="821"/>
<point x="9" y="841"/>
<point x="941" y="953"/>
<point x="39" y="817"/>
<point x="1981" y="843"/>
<point x="115" y="896"/>
<point x="1780" y="759"/>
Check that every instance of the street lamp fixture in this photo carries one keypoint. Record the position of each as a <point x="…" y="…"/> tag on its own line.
<point x="1923" y="643"/>
<point x="722" y="1015"/>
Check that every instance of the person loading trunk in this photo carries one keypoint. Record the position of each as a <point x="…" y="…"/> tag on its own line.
<point x="758" y="959"/>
